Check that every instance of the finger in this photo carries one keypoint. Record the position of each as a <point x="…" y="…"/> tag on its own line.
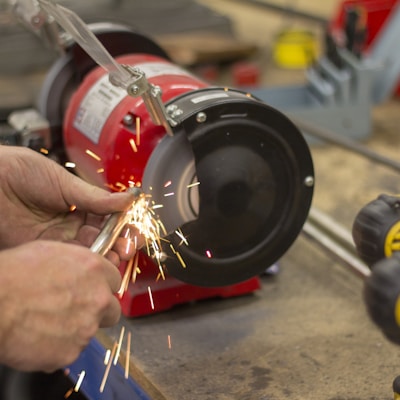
<point x="93" y="199"/>
<point x="113" y="257"/>
<point x="129" y="242"/>
<point x="130" y="231"/>
<point x="94" y="220"/>
<point x="87" y="235"/>
<point x="112" y="275"/>
<point x="112" y="314"/>
<point x="125" y="248"/>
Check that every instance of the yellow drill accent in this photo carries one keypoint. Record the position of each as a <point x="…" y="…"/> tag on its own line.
<point x="396" y="396"/>
<point x="397" y="311"/>
<point x="392" y="240"/>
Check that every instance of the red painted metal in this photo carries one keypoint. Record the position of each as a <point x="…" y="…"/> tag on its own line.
<point x="165" y="294"/>
<point x="376" y="13"/>
<point x="118" y="160"/>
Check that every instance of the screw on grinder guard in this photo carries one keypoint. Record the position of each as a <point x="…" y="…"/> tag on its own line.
<point x="113" y="227"/>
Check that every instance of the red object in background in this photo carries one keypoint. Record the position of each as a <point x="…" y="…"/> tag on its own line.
<point x="375" y="12"/>
<point x="245" y="74"/>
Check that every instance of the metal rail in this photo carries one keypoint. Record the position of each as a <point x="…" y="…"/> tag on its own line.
<point x="345" y="142"/>
<point x="335" y="240"/>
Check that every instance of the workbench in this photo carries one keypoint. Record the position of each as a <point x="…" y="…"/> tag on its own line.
<point x="306" y="333"/>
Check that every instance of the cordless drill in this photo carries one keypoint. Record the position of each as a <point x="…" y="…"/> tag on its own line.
<point x="376" y="233"/>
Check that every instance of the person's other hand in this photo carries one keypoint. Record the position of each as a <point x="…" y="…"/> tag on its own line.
<point x="37" y="196"/>
<point x="54" y="296"/>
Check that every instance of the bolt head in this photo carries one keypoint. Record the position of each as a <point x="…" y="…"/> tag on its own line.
<point x="201" y="117"/>
<point x="309" y="181"/>
<point x="128" y="120"/>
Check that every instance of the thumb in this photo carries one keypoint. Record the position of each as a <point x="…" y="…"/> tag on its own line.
<point x="92" y="199"/>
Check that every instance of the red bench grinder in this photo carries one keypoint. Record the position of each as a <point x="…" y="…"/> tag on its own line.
<point x="234" y="174"/>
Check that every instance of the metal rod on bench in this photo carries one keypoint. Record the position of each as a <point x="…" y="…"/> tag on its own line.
<point x="345" y="142"/>
<point x="335" y="240"/>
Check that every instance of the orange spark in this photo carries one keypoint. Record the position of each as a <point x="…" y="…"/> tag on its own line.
<point x="133" y="145"/>
<point x="129" y="241"/>
<point x="161" y="272"/>
<point x="169" y="342"/>
<point x="128" y="356"/>
<point x="100" y="170"/>
<point x="169" y="194"/>
<point x="121" y="186"/>
<point x="69" y="164"/>
<point x="180" y="259"/>
<point x="193" y="184"/>
<point x="151" y="297"/>
<point x="93" y="155"/>
<point x="138" y="131"/>
<point x="70" y="391"/>
<point x="208" y="254"/>
<point x="72" y="208"/>
<point x="179" y="233"/>
<point x="166" y="184"/>
<point x="135" y="273"/>
<point x="107" y="371"/>
<point x="79" y="381"/>
<point x="44" y="151"/>
<point x="121" y="338"/>
<point x="107" y="357"/>
<point x="125" y="280"/>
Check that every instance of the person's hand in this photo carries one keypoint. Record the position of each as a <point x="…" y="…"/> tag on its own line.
<point x="53" y="297"/>
<point x="37" y="196"/>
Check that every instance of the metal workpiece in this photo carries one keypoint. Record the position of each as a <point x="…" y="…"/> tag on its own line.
<point x="113" y="227"/>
